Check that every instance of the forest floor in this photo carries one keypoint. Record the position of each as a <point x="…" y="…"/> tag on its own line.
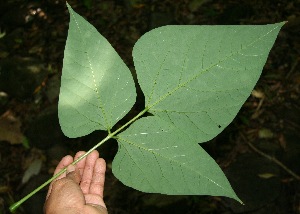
<point x="259" y="151"/>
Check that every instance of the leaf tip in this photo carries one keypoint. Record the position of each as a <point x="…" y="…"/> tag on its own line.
<point x="284" y="22"/>
<point x="240" y="201"/>
<point x="68" y="6"/>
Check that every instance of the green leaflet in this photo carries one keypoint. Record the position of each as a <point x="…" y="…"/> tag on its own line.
<point x="97" y="88"/>
<point x="198" y="77"/>
<point x="194" y="78"/>
<point x="154" y="156"/>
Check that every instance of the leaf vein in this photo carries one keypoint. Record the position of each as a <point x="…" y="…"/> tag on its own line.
<point x="160" y="99"/>
<point x="173" y="160"/>
<point x="93" y="75"/>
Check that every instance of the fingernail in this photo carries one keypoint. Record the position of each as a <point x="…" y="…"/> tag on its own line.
<point x="70" y="168"/>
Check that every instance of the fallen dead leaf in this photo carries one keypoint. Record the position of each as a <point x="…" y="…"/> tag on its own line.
<point x="282" y="141"/>
<point x="265" y="133"/>
<point x="33" y="169"/>
<point x="258" y="94"/>
<point x="10" y="128"/>
<point x="266" y="175"/>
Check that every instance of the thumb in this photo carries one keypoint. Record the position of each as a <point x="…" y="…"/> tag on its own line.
<point x="73" y="174"/>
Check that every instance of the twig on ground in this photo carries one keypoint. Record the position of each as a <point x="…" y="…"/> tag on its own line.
<point x="297" y="177"/>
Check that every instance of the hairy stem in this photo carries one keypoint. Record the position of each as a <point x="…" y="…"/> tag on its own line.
<point x="14" y="206"/>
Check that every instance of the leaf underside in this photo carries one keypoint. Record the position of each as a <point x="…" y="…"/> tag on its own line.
<point x="162" y="159"/>
<point x="198" y="77"/>
<point x="194" y="78"/>
<point x="97" y="88"/>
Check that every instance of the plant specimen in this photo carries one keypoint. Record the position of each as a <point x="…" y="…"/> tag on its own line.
<point x="195" y="80"/>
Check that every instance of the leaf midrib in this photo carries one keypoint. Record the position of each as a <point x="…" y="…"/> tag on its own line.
<point x="101" y="106"/>
<point x="161" y="98"/>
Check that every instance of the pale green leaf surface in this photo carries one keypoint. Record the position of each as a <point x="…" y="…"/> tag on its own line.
<point x="97" y="88"/>
<point x="198" y="77"/>
<point x="156" y="157"/>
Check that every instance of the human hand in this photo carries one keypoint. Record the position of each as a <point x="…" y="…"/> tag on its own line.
<point x="80" y="189"/>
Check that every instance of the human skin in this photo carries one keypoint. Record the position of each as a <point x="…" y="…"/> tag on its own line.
<point x="80" y="189"/>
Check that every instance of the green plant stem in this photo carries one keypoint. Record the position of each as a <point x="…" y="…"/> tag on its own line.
<point x="129" y="122"/>
<point x="14" y="206"/>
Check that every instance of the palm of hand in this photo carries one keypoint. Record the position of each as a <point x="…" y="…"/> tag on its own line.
<point x="81" y="189"/>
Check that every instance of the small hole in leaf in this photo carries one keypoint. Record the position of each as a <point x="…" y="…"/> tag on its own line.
<point x="219" y="126"/>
